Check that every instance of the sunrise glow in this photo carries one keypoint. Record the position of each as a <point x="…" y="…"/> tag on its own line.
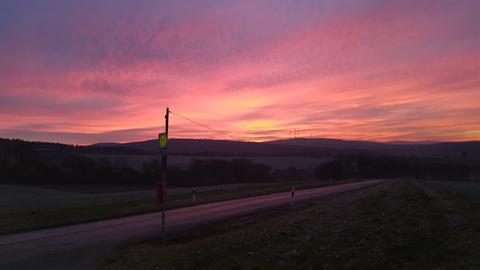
<point x="88" y="71"/>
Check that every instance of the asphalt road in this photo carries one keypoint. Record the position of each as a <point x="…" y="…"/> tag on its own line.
<point x="51" y="247"/>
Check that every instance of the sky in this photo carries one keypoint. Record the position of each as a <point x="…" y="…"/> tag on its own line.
<point x="82" y="72"/>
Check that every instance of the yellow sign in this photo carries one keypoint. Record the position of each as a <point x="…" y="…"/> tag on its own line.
<point x="162" y="140"/>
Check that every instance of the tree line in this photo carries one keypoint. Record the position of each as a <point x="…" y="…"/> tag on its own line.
<point x="21" y="163"/>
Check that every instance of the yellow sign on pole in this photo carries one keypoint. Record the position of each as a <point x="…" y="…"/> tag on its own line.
<point x="162" y="140"/>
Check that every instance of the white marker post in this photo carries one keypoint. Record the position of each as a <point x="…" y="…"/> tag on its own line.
<point x="194" y="196"/>
<point x="292" y="197"/>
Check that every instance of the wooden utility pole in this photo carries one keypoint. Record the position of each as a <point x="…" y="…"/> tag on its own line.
<point x="164" y="176"/>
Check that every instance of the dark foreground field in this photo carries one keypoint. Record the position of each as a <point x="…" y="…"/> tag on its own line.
<point x="397" y="225"/>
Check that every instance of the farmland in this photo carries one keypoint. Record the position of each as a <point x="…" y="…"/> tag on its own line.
<point x="26" y="207"/>
<point x="398" y="225"/>
<point x="470" y="189"/>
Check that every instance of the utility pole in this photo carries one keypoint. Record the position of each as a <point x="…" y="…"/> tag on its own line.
<point x="164" y="176"/>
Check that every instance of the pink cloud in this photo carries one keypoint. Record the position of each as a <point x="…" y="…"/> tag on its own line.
<point x="352" y="69"/>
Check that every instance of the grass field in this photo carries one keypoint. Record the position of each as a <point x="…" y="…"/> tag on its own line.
<point x="26" y="208"/>
<point x="397" y="225"/>
<point x="471" y="189"/>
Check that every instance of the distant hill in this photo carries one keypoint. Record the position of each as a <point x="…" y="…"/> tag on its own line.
<point x="329" y="143"/>
<point x="37" y="146"/>
<point x="302" y="146"/>
<point x="221" y="148"/>
<point x="422" y="149"/>
<point x="412" y="143"/>
<point x="289" y="147"/>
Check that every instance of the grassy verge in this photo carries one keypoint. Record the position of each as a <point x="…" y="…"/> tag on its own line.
<point x="399" y="225"/>
<point x="468" y="189"/>
<point x="22" y="219"/>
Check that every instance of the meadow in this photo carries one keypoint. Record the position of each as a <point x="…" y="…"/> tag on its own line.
<point x="471" y="189"/>
<point x="31" y="207"/>
<point x="397" y="225"/>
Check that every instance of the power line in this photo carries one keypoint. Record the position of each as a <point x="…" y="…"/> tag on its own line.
<point x="205" y="126"/>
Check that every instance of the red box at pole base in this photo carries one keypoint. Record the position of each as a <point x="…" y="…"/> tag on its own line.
<point x="159" y="192"/>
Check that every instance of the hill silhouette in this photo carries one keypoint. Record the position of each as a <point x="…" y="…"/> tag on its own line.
<point x="287" y="147"/>
<point x="218" y="148"/>
<point x="302" y="146"/>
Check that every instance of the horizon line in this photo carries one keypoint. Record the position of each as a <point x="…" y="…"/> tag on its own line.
<point x="246" y="141"/>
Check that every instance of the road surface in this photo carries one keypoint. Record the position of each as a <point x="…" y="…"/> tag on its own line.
<point x="42" y="247"/>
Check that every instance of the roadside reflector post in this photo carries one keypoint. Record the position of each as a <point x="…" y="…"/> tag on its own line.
<point x="194" y="195"/>
<point x="292" y="197"/>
